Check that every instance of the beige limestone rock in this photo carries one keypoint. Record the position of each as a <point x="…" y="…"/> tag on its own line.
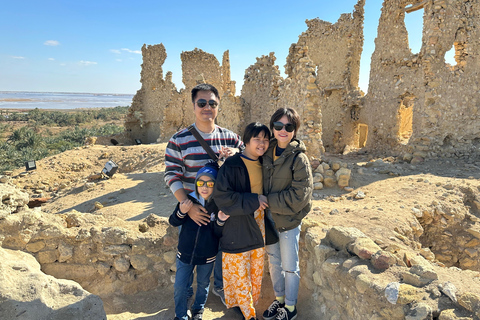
<point x="28" y="292"/>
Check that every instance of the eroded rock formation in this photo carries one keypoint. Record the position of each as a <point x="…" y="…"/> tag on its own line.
<point x="28" y="293"/>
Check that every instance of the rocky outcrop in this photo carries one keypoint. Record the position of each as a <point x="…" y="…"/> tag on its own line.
<point x="354" y="278"/>
<point x="12" y="199"/>
<point x="29" y="294"/>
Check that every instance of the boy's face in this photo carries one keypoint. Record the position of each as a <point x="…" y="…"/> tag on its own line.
<point x="258" y="145"/>
<point x="205" y="191"/>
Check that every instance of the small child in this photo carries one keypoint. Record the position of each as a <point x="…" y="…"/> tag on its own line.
<point x="197" y="245"/>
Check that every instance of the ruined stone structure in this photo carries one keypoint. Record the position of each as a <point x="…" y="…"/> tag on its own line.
<point x="415" y="102"/>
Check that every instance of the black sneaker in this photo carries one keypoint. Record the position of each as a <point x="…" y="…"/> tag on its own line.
<point x="219" y="293"/>
<point x="284" y="314"/>
<point x="197" y="314"/>
<point x="272" y="311"/>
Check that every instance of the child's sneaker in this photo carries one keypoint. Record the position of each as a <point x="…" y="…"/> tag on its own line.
<point x="197" y="314"/>
<point x="272" y="311"/>
<point x="284" y="314"/>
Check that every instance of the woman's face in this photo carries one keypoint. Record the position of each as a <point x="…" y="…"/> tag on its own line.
<point x="283" y="137"/>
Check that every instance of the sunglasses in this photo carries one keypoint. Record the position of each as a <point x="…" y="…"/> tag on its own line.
<point x="202" y="103"/>
<point x="289" y="127"/>
<point x="209" y="184"/>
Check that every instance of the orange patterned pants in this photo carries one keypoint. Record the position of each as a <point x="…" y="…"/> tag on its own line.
<point x="242" y="275"/>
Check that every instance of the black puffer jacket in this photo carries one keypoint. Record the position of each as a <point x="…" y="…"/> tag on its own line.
<point x="288" y="184"/>
<point x="234" y="197"/>
<point x="196" y="244"/>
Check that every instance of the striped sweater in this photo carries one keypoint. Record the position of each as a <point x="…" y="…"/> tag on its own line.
<point x="184" y="155"/>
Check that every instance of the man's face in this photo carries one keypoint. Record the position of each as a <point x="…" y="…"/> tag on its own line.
<point x="207" y="113"/>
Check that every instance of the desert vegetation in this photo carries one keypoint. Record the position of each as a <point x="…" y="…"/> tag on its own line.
<point x="36" y="134"/>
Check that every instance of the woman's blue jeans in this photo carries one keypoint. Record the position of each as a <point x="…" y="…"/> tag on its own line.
<point x="284" y="265"/>
<point x="183" y="283"/>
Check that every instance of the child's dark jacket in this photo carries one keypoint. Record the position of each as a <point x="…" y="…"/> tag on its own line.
<point x="234" y="197"/>
<point x="196" y="244"/>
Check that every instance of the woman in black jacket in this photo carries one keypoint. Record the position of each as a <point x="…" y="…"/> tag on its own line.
<point x="238" y="193"/>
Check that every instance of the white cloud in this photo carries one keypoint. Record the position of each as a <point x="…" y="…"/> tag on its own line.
<point x="86" y="63"/>
<point x="51" y="59"/>
<point x="132" y="51"/>
<point x="18" y="57"/>
<point x="115" y="51"/>
<point x="52" y="43"/>
<point x="118" y="60"/>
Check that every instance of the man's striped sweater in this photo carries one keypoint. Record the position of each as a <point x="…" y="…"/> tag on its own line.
<point x="184" y="155"/>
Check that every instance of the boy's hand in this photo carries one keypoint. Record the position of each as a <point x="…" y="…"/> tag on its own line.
<point x="222" y="216"/>
<point x="199" y="215"/>
<point x="186" y="205"/>
<point x="226" y="152"/>
<point x="263" y="202"/>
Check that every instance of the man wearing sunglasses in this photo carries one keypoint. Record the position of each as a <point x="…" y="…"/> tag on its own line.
<point x="184" y="156"/>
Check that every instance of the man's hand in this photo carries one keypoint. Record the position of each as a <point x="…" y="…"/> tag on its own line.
<point x="185" y="205"/>
<point x="199" y="215"/>
<point x="263" y="202"/>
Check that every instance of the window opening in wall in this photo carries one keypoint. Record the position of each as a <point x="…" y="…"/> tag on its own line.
<point x="355" y="113"/>
<point x="362" y="135"/>
<point x="457" y="55"/>
<point x="414" y="25"/>
<point x="405" y="119"/>
<point x="450" y="57"/>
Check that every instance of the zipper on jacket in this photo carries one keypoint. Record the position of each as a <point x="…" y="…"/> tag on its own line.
<point x="195" y="245"/>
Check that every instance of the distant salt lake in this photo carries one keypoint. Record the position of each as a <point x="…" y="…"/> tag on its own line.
<point x="61" y="100"/>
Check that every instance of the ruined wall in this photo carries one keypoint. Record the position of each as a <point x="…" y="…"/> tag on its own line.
<point x="335" y="51"/>
<point x="420" y="91"/>
<point x="264" y="91"/>
<point x="158" y="110"/>
<point x="351" y="277"/>
<point x="260" y="89"/>
<point x="415" y="102"/>
<point x="147" y="114"/>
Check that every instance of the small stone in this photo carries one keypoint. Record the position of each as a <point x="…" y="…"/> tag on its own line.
<point x="449" y="290"/>
<point x="318" y="186"/>
<point x="360" y="195"/>
<point x="334" y="212"/>
<point x="418" y="213"/>
<point x="391" y="292"/>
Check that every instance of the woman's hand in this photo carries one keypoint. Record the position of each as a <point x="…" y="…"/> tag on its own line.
<point x="222" y="216"/>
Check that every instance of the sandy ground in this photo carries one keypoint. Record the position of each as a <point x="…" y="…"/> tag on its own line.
<point x="138" y="189"/>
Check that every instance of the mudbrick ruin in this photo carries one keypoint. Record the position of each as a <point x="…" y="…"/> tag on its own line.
<point x="417" y="108"/>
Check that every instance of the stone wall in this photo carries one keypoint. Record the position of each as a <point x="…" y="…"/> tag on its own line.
<point x="352" y="277"/>
<point x="351" y="274"/>
<point x="416" y="103"/>
<point x="335" y="51"/>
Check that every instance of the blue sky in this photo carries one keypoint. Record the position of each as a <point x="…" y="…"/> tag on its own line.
<point x="95" y="46"/>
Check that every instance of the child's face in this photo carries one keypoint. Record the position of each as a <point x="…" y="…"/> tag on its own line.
<point x="205" y="191"/>
<point x="258" y="145"/>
